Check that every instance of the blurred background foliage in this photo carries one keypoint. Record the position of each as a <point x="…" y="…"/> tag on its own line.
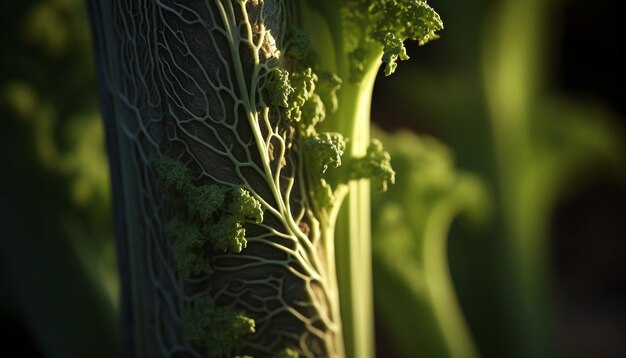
<point x="529" y="96"/>
<point x="503" y="237"/>
<point x="58" y="282"/>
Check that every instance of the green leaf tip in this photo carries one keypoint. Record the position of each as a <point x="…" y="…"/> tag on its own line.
<point x="393" y="50"/>
<point x="408" y="19"/>
<point x="303" y="83"/>
<point x="376" y="165"/>
<point x="245" y="206"/>
<point x="324" y="150"/>
<point x="228" y="235"/>
<point x="218" y="330"/>
<point x="386" y="23"/>
<point x="401" y="20"/>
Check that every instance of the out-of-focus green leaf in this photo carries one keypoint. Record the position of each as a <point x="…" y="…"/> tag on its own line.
<point x="57" y="258"/>
<point x="413" y="289"/>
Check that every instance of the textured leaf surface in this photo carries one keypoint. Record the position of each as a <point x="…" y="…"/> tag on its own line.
<point x="216" y="204"/>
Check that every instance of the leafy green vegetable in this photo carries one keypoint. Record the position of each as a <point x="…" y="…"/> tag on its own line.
<point x="242" y="128"/>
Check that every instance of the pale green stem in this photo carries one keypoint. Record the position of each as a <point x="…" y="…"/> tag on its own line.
<point x="353" y="229"/>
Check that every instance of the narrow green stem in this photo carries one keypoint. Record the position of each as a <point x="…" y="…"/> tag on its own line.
<point x="440" y="287"/>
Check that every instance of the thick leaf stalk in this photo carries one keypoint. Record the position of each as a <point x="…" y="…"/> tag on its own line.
<point x="224" y="252"/>
<point x="236" y="133"/>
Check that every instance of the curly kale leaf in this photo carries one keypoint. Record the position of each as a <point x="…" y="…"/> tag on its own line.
<point x="387" y="23"/>
<point x="324" y="150"/>
<point x="213" y="218"/>
<point x="376" y="164"/>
